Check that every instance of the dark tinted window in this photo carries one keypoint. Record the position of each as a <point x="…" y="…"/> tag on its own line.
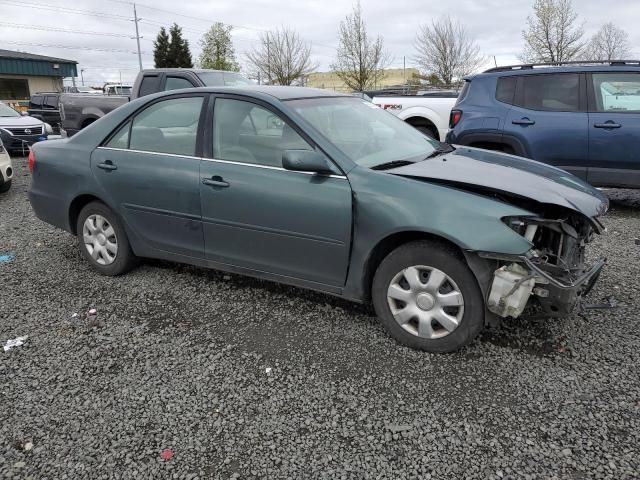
<point x="36" y="102"/>
<point x="617" y="92"/>
<point x="150" y="84"/>
<point x="175" y="83"/>
<point x="11" y="89"/>
<point x="170" y="126"/>
<point x="506" y="89"/>
<point x="51" y="102"/>
<point x="553" y="93"/>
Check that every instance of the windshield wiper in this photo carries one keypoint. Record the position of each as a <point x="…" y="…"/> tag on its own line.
<point x="393" y="164"/>
<point x="442" y="149"/>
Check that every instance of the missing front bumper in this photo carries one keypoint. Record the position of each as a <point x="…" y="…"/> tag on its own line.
<point x="514" y="285"/>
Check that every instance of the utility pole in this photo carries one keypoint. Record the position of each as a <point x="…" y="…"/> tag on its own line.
<point x="404" y="69"/>
<point x="136" y="20"/>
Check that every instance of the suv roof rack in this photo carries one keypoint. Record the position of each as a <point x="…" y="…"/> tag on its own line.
<point x="531" y="66"/>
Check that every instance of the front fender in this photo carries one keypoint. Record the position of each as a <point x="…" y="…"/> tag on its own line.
<point x="386" y="204"/>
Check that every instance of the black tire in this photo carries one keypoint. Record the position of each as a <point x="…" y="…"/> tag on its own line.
<point x="447" y="260"/>
<point x="4" y="188"/>
<point x="124" y="260"/>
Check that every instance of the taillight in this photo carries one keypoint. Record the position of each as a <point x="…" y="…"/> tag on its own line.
<point x="454" y="118"/>
<point x="32" y="161"/>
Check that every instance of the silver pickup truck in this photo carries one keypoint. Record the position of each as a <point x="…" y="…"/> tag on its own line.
<point x="79" y="110"/>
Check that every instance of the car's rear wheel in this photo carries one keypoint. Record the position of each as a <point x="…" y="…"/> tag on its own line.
<point x="427" y="298"/>
<point x="5" y="186"/>
<point x="103" y="241"/>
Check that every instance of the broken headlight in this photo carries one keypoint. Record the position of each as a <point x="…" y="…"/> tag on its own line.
<point x="522" y="226"/>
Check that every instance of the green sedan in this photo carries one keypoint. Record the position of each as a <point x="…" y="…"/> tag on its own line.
<point x="326" y="192"/>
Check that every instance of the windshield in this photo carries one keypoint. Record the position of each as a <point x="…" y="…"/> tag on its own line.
<point x="227" y="79"/>
<point x="364" y="132"/>
<point x="6" y="111"/>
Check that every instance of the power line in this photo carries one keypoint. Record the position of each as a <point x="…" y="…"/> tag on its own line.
<point x="56" y="8"/>
<point x="62" y="30"/>
<point x="73" y="48"/>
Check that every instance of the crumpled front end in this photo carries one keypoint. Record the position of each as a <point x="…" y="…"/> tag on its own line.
<point x="554" y="273"/>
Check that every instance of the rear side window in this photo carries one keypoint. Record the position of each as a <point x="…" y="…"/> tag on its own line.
<point x="506" y="89"/>
<point x="36" y="102"/>
<point x="150" y="84"/>
<point x="175" y="83"/>
<point x="51" y="102"/>
<point x="617" y="92"/>
<point x="169" y="126"/>
<point x="120" y="139"/>
<point x="551" y="92"/>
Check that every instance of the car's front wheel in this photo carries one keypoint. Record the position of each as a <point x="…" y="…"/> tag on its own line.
<point x="4" y="187"/>
<point x="103" y="241"/>
<point x="427" y="298"/>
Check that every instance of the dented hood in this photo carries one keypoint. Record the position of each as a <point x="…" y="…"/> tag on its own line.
<point x="509" y="174"/>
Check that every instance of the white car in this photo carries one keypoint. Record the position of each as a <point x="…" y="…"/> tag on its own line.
<point x="6" y="169"/>
<point x="428" y="112"/>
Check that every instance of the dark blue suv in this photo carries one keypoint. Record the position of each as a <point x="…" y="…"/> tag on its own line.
<point x="583" y="118"/>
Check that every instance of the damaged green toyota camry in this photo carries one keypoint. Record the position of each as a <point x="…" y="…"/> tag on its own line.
<point x="325" y="192"/>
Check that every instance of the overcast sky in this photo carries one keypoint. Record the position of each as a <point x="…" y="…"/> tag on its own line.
<point x="496" y="25"/>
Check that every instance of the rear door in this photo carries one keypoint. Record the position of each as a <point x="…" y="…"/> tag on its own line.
<point x="50" y="111"/>
<point x="149" y="171"/>
<point x="549" y="118"/>
<point x="258" y="215"/>
<point x="35" y="106"/>
<point x="614" y="129"/>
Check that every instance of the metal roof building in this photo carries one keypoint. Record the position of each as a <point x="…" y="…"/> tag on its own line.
<point x="23" y="74"/>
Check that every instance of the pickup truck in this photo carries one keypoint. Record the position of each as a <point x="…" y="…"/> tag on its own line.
<point x="428" y="112"/>
<point x="79" y="110"/>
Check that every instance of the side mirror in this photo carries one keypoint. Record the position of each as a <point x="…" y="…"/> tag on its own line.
<point x="306" y="161"/>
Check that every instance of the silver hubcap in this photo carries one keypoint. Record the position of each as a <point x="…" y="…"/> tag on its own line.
<point x="100" y="239"/>
<point x="425" y="301"/>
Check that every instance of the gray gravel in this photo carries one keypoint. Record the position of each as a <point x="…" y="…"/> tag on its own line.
<point x="178" y="356"/>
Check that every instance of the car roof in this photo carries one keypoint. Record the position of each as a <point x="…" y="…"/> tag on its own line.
<point x="275" y="91"/>
<point x="564" y="67"/>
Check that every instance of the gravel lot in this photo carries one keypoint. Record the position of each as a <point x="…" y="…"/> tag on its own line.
<point x="246" y="379"/>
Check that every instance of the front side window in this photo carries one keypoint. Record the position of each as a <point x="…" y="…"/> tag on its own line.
<point x="364" y="132"/>
<point x="617" y="92"/>
<point x="149" y="84"/>
<point x="169" y="126"/>
<point x="176" y="83"/>
<point x="51" y="103"/>
<point x="36" y="102"/>
<point x="551" y="92"/>
<point x="246" y="132"/>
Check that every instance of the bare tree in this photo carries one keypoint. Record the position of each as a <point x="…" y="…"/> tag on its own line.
<point x="553" y="33"/>
<point x="609" y="43"/>
<point x="282" y="57"/>
<point x="446" y="49"/>
<point x="360" y="61"/>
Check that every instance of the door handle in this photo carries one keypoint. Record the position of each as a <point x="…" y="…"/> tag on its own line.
<point x="607" y="125"/>
<point x="524" y="121"/>
<point x="107" y="165"/>
<point x="215" y="181"/>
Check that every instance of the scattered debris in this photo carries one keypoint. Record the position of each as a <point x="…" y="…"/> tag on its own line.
<point x="74" y="315"/>
<point x="637" y="241"/>
<point x="28" y="446"/>
<point x="16" y="342"/>
<point x="167" y="454"/>
<point x="608" y="304"/>
<point x="399" y="428"/>
<point x="226" y="278"/>
<point x="268" y="370"/>
<point x="6" y="258"/>
<point x="92" y="318"/>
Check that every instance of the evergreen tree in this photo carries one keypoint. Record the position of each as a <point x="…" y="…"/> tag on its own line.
<point x="217" y="49"/>
<point x="179" y="55"/>
<point x="161" y="49"/>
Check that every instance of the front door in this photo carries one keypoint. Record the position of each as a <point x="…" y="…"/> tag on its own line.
<point x="150" y="175"/>
<point x="549" y="119"/>
<point x="259" y="216"/>
<point x="614" y="129"/>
